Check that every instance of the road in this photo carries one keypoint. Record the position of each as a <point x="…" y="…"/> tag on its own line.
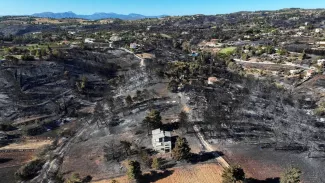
<point x="272" y="63"/>
<point x="200" y="136"/>
<point x="209" y="148"/>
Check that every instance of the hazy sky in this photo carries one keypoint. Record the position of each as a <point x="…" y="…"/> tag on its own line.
<point x="150" y="7"/>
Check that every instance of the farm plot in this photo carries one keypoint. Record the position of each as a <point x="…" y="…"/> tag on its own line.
<point x="203" y="173"/>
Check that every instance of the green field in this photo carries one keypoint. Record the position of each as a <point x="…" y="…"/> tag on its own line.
<point x="228" y="50"/>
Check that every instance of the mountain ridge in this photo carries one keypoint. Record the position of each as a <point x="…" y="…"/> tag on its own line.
<point x="94" y="16"/>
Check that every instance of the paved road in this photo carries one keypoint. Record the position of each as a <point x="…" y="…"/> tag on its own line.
<point x="271" y="63"/>
<point x="209" y="148"/>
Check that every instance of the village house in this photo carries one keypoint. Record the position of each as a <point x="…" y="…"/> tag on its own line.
<point x="71" y="32"/>
<point x="161" y="141"/>
<point x="320" y="62"/>
<point x="89" y="40"/>
<point x="321" y="43"/>
<point x="212" y="80"/>
<point x="309" y="73"/>
<point x="134" y="45"/>
<point x="318" y="30"/>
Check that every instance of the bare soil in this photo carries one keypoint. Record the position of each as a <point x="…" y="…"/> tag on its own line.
<point x="206" y="173"/>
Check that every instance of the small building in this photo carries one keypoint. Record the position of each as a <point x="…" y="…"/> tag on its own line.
<point x="193" y="54"/>
<point x="295" y="71"/>
<point x="89" y="40"/>
<point x="161" y="141"/>
<point x="318" y="30"/>
<point x="320" y="62"/>
<point x="212" y="80"/>
<point x="134" y="45"/>
<point x="321" y="43"/>
<point x="309" y="73"/>
<point x="71" y="32"/>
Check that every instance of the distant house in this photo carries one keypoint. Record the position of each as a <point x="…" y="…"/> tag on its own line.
<point x="134" y="45"/>
<point x="161" y="141"/>
<point x="318" y="30"/>
<point x="321" y="43"/>
<point x="71" y="32"/>
<point x="115" y="38"/>
<point x="212" y="80"/>
<point x="302" y="28"/>
<point x="89" y="40"/>
<point x="320" y="62"/>
<point x="295" y="71"/>
<point x="193" y="54"/>
<point x="309" y="73"/>
<point x="211" y="44"/>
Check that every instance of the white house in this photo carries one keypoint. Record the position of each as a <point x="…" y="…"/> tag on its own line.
<point x="71" y="32"/>
<point x="161" y="141"/>
<point x="318" y="30"/>
<point x="89" y="40"/>
<point x="134" y="45"/>
<point x="320" y="62"/>
<point x="302" y="28"/>
<point x="321" y="43"/>
<point x="309" y="73"/>
<point x="212" y="80"/>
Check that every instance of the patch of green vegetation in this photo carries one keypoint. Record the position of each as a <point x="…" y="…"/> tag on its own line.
<point x="320" y="110"/>
<point x="228" y="50"/>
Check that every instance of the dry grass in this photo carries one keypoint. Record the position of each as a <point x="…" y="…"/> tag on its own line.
<point x="146" y="55"/>
<point x="207" y="173"/>
<point x="27" y="145"/>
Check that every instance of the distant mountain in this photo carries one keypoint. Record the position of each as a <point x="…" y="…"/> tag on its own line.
<point x="95" y="16"/>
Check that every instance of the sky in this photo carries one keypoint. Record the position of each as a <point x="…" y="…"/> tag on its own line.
<point x="150" y="7"/>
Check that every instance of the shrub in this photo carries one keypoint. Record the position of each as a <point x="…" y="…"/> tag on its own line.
<point x="233" y="174"/>
<point x="30" y="170"/>
<point x="27" y="57"/>
<point x="181" y="150"/>
<point x="134" y="170"/>
<point x="156" y="163"/>
<point x="291" y="175"/>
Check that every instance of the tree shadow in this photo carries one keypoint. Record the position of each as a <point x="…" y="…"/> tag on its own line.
<point x="154" y="176"/>
<point x="167" y="164"/>
<point x="5" y="160"/>
<point x="268" y="180"/>
<point x="170" y="126"/>
<point x="204" y="156"/>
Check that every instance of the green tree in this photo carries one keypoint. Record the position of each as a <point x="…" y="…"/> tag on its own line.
<point x="291" y="175"/>
<point x="145" y="158"/>
<point x="30" y="170"/>
<point x="134" y="170"/>
<point x="182" y="150"/>
<point x="74" y="178"/>
<point x="156" y="163"/>
<point x="152" y="120"/>
<point x="233" y="174"/>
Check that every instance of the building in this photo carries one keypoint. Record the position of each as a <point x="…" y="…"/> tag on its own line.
<point x="318" y="30"/>
<point x="89" y="40"/>
<point x="320" y="62"/>
<point x="212" y="80"/>
<point x="309" y="73"/>
<point x="320" y="43"/>
<point x="134" y="45"/>
<point x="161" y="141"/>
